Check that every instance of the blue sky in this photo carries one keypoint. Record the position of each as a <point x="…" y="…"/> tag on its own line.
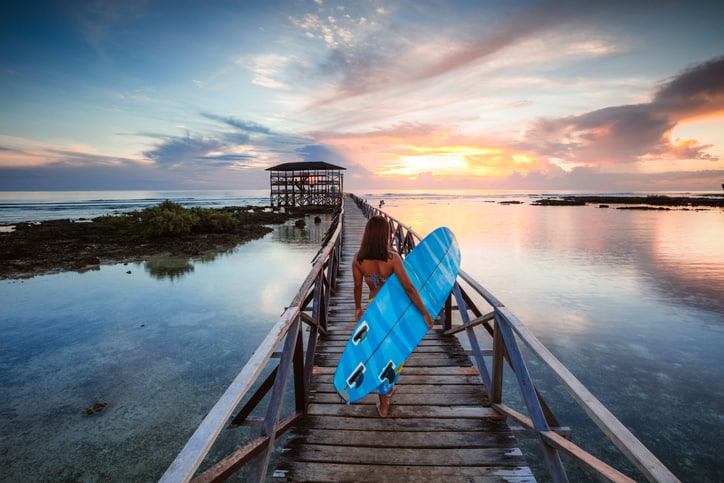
<point x="143" y="94"/>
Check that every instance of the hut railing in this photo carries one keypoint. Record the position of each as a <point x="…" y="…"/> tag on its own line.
<point x="505" y="330"/>
<point x="309" y="307"/>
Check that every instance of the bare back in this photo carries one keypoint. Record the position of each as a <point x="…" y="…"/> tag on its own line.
<point x="375" y="272"/>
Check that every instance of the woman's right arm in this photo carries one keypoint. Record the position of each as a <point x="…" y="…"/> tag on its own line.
<point x="410" y="289"/>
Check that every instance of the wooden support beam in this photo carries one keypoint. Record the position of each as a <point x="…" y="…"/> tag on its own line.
<point x="476" y="321"/>
<point x="585" y="459"/>
<point x="563" y="431"/>
<point x="254" y="401"/>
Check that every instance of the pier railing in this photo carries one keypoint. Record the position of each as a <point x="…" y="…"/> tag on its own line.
<point x="505" y="331"/>
<point x="284" y="341"/>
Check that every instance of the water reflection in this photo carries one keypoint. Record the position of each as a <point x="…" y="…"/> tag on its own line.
<point x="168" y="267"/>
<point x="308" y="229"/>
<point x="676" y="253"/>
<point x="174" y="267"/>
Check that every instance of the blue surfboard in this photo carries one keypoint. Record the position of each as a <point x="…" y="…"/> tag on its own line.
<point x="392" y="326"/>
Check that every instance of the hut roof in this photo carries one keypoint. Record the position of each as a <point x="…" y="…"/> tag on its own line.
<point x="304" y="166"/>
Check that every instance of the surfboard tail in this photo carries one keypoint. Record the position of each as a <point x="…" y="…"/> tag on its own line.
<point x="344" y="395"/>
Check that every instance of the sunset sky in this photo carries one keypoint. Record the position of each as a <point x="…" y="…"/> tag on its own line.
<point x="603" y="96"/>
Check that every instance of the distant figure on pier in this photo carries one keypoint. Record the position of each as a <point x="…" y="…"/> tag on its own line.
<point x="382" y="203"/>
<point x="375" y="262"/>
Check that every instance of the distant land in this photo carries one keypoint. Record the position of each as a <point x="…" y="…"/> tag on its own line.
<point x="639" y="202"/>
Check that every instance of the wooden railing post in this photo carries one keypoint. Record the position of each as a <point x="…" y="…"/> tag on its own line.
<point x="472" y="338"/>
<point x="496" y="388"/>
<point x="447" y="323"/>
<point x="301" y="385"/>
<point x="259" y="464"/>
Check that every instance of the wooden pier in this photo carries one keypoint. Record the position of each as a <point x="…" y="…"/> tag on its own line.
<point x="447" y="421"/>
<point x="440" y="426"/>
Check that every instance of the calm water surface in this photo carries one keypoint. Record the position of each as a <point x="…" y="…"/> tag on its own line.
<point x="630" y="301"/>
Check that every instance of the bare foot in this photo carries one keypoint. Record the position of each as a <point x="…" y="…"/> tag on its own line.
<point x="383" y="406"/>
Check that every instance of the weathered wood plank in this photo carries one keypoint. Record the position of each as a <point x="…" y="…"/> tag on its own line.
<point x="408" y="439"/>
<point x="420" y="390"/>
<point x="410" y="399"/>
<point x="429" y="361"/>
<point x="384" y="425"/>
<point x="411" y="378"/>
<point x="368" y="410"/>
<point x="331" y="472"/>
<point x="448" y="370"/>
<point x="390" y="454"/>
<point x="338" y="344"/>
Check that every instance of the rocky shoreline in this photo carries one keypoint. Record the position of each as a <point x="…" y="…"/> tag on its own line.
<point x="64" y="245"/>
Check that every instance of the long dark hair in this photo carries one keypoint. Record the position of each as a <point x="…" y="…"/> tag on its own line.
<point x="375" y="240"/>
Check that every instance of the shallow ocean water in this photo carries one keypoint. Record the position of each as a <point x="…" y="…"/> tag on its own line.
<point x="157" y="341"/>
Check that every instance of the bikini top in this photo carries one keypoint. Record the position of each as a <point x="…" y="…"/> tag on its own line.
<point x="377" y="280"/>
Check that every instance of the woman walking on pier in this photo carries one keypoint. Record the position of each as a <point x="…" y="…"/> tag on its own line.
<point x="375" y="262"/>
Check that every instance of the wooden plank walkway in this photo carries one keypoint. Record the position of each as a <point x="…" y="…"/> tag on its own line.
<point x="439" y="427"/>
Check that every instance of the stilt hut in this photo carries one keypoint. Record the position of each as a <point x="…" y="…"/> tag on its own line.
<point x="309" y="183"/>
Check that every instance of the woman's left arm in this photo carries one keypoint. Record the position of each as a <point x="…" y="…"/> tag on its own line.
<point x="357" y="278"/>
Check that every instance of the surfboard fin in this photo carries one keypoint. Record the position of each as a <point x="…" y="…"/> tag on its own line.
<point x="355" y="380"/>
<point x="388" y="373"/>
<point x="361" y="333"/>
